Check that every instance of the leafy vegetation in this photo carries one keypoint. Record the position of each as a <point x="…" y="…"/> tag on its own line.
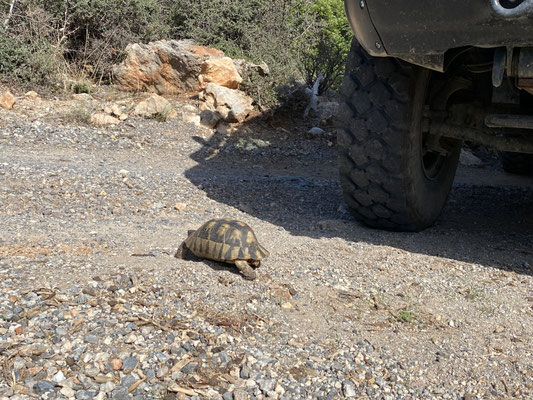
<point x="48" y="42"/>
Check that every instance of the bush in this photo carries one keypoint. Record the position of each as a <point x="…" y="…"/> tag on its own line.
<point x="296" y="38"/>
<point x="45" y="40"/>
<point x="328" y="55"/>
<point x="26" y="50"/>
<point x="75" y="37"/>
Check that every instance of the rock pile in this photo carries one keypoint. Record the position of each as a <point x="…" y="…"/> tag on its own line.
<point x="174" y="67"/>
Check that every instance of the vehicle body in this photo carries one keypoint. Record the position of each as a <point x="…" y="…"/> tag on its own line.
<point x="432" y="75"/>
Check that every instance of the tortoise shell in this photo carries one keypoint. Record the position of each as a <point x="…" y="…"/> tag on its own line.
<point x="225" y="240"/>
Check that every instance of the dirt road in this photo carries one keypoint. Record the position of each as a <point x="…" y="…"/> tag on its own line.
<point x="342" y="310"/>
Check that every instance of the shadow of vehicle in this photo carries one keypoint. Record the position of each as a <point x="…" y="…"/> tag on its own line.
<point x="290" y="180"/>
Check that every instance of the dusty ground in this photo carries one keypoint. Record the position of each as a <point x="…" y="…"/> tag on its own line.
<point x="452" y="306"/>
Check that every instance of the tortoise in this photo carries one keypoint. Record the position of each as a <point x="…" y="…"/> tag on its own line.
<point x="227" y="240"/>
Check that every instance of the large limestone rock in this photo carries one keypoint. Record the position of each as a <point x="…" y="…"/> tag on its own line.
<point x="221" y="71"/>
<point x="7" y="100"/>
<point x="163" y="67"/>
<point x="231" y="105"/>
<point x="172" y="67"/>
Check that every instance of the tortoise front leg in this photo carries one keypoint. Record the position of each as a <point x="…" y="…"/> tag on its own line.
<point x="245" y="269"/>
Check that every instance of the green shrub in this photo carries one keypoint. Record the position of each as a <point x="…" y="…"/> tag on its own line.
<point x="26" y="51"/>
<point x="333" y="40"/>
<point x="53" y="40"/>
<point x="274" y="31"/>
<point x="88" y="35"/>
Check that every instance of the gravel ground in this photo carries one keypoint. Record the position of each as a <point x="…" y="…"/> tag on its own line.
<point x="93" y="305"/>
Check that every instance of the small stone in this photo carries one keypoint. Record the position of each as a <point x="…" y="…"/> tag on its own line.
<point x="380" y="381"/>
<point x="120" y="393"/>
<point x="245" y="372"/>
<point x="180" y="206"/>
<point x="499" y="329"/>
<point x="58" y="377"/>
<point x="7" y="100"/>
<point x="90" y="338"/>
<point x="227" y="396"/>
<point x="67" y="391"/>
<point x="192" y="118"/>
<point x="315" y="132"/>
<point x="154" y="106"/>
<point x="150" y="374"/>
<point x="81" y="298"/>
<point x="127" y="381"/>
<point x="224" y="357"/>
<point x="267" y="385"/>
<point x="240" y="394"/>
<point x="116" y="363"/>
<point x="116" y="110"/>
<point x="19" y="330"/>
<point x="209" y="119"/>
<point x="84" y="395"/>
<point x="103" y="119"/>
<point x="19" y="363"/>
<point x="348" y="388"/>
<point x="161" y="357"/>
<point x="31" y="94"/>
<point x="90" y="291"/>
<point x="43" y="387"/>
<point x="129" y="364"/>
<point x="162" y="372"/>
<point x="190" y="368"/>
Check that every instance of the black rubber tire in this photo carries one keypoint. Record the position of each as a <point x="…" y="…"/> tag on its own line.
<point x="381" y="162"/>
<point x="517" y="163"/>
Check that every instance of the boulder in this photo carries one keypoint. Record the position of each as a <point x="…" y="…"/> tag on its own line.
<point x="153" y="106"/>
<point x="231" y="105"/>
<point x="7" y="100"/>
<point x="220" y="71"/>
<point x="163" y="67"/>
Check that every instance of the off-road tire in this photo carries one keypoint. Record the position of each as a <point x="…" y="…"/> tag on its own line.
<point x="517" y="163"/>
<point x="381" y="164"/>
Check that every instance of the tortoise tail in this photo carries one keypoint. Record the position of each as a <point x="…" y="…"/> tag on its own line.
<point x="182" y="251"/>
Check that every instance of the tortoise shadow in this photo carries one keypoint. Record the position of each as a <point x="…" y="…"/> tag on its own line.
<point x="214" y="265"/>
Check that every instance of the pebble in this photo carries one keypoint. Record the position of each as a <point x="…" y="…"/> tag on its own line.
<point x="227" y="396"/>
<point x="43" y="387"/>
<point x="90" y="338"/>
<point x="128" y="364"/>
<point x="348" y="388"/>
<point x="316" y="131"/>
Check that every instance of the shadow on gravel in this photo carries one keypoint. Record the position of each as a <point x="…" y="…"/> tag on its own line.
<point x="292" y="183"/>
